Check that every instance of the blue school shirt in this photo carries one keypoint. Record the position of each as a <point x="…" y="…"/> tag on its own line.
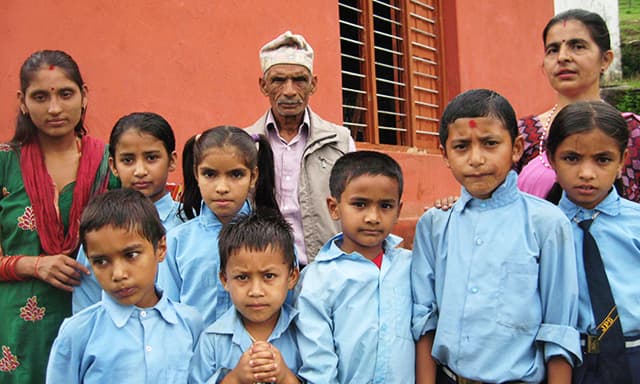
<point x="354" y="320"/>
<point x="189" y="273"/>
<point x="616" y="229"/>
<point x="89" y="291"/>
<point x="222" y="344"/>
<point x="113" y="343"/>
<point x="497" y="281"/>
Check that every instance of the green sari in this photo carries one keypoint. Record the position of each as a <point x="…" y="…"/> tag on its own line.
<point x="31" y="311"/>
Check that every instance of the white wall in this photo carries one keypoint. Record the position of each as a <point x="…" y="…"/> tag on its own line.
<point x="608" y="9"/>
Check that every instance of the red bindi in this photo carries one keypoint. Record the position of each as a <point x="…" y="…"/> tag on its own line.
<point x="52" y="67"/>
<point x="472" y="124"/>
<point x="564" y="22"/>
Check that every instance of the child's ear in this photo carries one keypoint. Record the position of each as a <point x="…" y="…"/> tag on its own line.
<point x="173" y="161"/>
<point x="161" y="249"/>
<point x="112" y="166"/>
<point x="332" y="205"/>
<point x="294" y="275"/>
<point x="255" y="173"/>
<point x="518" y="149"/>
<point x="223" y="280"/>
<point x="443" y="152"/>
<point x="623" y="159"/>
<point x="399" y="210"/>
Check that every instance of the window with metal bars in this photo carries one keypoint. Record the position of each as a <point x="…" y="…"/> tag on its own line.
<point x="391" y="71"/>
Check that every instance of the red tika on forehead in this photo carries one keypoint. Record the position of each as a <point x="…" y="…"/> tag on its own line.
<point x="472" y="124"/>
<point x="52" y="67"/>
<point x="564" y="22"/>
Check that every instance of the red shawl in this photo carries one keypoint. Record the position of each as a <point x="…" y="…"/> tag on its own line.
<point x="41" y="191"/>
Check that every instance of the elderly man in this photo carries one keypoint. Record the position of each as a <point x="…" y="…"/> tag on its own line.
<point x="304" y="145"/>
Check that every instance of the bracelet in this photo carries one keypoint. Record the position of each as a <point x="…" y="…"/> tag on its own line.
<point x="8" y="268"/>
<point x="35" y="268"/>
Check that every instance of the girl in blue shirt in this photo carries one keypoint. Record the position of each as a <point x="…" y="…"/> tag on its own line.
<point x="587" y="145"/>
<point x="223" y="170"/>
<point x="142" y="152"/>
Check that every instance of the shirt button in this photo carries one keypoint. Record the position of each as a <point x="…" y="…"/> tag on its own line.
<point x="287" y="178"/>
<point x="478" y="241"/>
<point x="288" y="148"/>
<point x="483" y="205"/>
<point x="474" y="290"/>
<point x="148" y="348"/>
<point x="143" y="313"/>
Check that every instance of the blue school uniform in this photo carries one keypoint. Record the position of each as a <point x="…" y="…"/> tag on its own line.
<point x="222" y="344"/>
<point x="89" y="291"/>
<point x="113" y="343"/>
<point x="616" y="230"/>
<point x="496" y="279"/>
<point x="354" y="320"/>
<point x="189" y="273"/>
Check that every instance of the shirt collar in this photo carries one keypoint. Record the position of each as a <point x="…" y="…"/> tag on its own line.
<point x="331" y="249"/>
<point x="120" y="314"/>
<point x="209" y="219"/>
<point x="303" y="132"/>
<point x="231" y="324"/>
<point x="165" y="206"/>
<point x="609" y="206"/>
<point x="505" y="194"/>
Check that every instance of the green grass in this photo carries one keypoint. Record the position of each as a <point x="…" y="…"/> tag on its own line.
<point x="629" y="14"/>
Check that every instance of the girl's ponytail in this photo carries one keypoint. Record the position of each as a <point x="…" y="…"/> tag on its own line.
<point x="265" y="195"/>
<point x="191" y="197"/>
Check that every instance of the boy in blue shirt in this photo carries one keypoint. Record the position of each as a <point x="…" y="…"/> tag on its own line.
<point x="494" y="278"/>
<point x="254" y="341"/>
<point x="135" y="334"/>
<point x="354" y="300"/>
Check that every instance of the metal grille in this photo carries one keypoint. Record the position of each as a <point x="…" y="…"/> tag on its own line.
<point x="390" y="68"/>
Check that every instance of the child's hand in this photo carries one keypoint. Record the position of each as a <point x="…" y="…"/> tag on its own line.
<point x="268" y="364"/>
<point x="443" y="204"/>
<point x="243" y="372"/>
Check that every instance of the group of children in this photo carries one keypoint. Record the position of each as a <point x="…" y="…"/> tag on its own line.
<point x="493" y="290"/>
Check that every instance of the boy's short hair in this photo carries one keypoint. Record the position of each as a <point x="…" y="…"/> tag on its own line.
<point x="355" y="164"/>
<point x="478" y="103"/>
<point x="263" y="228"/>
<point x="124" y="209"/>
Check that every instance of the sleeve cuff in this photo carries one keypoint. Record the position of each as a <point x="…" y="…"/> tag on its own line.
<point x="560" y="340"/>
<point x="423" y="320"/>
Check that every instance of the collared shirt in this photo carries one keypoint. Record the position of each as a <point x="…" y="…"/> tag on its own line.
<point x="113" y="343"/>
<point x="222" y="344"/>
<point x="189" y="273"/>
<point x="617" y="233"/>
<point x="287" y="159"/>
<point x="89" y="291"/>
<point x="496" y="279"/>
<point x="354" y="320"/>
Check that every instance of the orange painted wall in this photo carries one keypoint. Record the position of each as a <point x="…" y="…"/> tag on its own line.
<point x="194" y="61"/>
<point x="499" y="46"/>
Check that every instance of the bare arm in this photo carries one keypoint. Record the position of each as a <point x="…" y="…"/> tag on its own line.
<point x="426" y="367"/>
<point x="558" y="371"/>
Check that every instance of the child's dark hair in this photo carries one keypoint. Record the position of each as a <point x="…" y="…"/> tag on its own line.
<point x="124" y="209"/>
<point x="256" y="232"/>
<point x="355" y="164"/>
<point x="585" y="116"/>
<point x="145" y="122"/>
<point x="25" y="129"/>
<point x="478" y="103"/>
<point x="245" y="145"/>
<point x="594" y="23"/>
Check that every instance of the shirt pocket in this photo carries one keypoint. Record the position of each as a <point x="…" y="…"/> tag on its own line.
<point x="402" y="312"/>
<point x="519" y="304"/>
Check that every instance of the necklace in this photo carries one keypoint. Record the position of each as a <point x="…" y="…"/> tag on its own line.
<point x="545" y="129"/>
